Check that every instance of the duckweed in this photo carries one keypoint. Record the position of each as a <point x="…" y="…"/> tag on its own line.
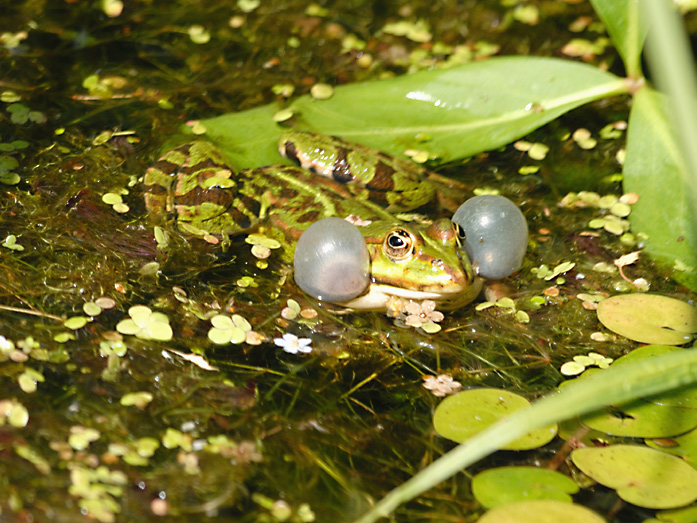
<point x="174" y="438"/>
<point x="309" y="418"/>
<point x="146" y="324"/>
<point x="14" y="413"/>
<point x="11" y="243"/>
<point x="76" y="322"/>
<point x="81" y="437"/>
<point x="228" y="330"/>
<point x="322" y="91"/>
<point x="137" y="399"/>
<point x="28" y="380"/>
<point x="91" y="309"/>
<point x="291" y="310"/>
<point x="96" y="490"/>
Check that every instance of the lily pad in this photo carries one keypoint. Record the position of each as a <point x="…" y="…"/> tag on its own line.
<point x="677" y="397"/>
<point x="461" y="416"/>
<point x="684" y="446"/>
<point x="640" y="475"/>
<point x="541" y="511"/>
<point x="505" y="485"/>
<point x="643" y="419"/>
<point x="649" y="318"/>
<point x="682" y="515"/>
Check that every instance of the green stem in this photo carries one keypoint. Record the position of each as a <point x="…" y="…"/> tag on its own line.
<point x="670" y="58"/>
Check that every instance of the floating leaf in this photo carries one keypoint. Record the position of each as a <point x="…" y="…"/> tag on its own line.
<point x="105" y="302"/>
<point x="462" y="415"/>
<point x="643" y="419"/>
<point x="464" y="110"/>
<point x="17" y="414"/>
<point x="504" y="485"/>
<point x="684" y="446"/>
<point x="321" y="91"/>
<point x="137" y="399"/>
<point x="541" y="511"/>
<point x="677" y="397"/>
<point x="91" y="308"/>
<point x="76" y="322"/>
<point x="146" y="324"/>
<point x="642" y="476"/>
<point x="683" y="515"/>
<point x="649" y="318"/>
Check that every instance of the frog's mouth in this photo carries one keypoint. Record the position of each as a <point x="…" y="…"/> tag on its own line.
<point x="378" y="294"/>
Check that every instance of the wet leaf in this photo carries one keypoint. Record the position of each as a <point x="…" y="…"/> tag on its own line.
<point x="541" y="511"/>
<point x="643" y="419"/>
<point x="649" y="318"/>
<point x="464" y="110"/>
<point x="642" y="476"/>
<point x="678" y="397"/>
<point x="462" y="415"/>
<point x="504" y="485"/>
<point x="655" y="171"/>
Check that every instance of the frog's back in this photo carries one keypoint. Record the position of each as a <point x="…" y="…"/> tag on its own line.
<point x="194" y="186"/>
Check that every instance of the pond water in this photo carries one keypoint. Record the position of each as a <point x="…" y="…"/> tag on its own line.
<point x="126" y="428"/>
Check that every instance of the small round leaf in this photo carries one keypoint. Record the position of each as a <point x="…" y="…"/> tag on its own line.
<point x="640" y="475"/>
<point x="649" y="318"/>
<point x="541" y="511"/>
<point x="461" y="416"/>
<point x="505" y="485"/>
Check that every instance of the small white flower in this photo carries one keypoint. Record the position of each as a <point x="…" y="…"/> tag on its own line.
<point x="292" y="344"/>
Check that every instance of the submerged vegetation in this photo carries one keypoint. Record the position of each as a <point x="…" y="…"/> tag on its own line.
<point x="148" y="371"/>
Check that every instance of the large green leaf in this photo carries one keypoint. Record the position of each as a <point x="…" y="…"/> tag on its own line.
<point x="247" y="138"/>
<point x="655" y="170"/>
<point x="451" y="113"/>
<point x="626" y="28"/>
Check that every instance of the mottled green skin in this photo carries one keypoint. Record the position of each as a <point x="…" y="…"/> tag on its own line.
<point x="195" y="187"/>
<point x="400" y="185"/>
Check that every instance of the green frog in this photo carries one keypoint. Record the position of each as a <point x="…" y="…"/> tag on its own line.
<point x="194" y="186"/>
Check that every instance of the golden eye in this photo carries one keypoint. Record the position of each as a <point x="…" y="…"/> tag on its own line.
<point x="398" y="244"/>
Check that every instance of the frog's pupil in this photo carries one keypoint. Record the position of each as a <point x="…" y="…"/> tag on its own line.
<point x="396" y="242"/>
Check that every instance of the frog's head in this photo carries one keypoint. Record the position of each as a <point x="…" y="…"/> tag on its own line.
<point x="418" y="262"/>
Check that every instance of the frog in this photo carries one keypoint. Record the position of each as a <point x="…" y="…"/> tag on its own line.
<point x="195" y="187"/>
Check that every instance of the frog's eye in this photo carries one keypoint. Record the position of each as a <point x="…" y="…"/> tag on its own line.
<point x="398" y="245"/>
<point x="461" y="236"/>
